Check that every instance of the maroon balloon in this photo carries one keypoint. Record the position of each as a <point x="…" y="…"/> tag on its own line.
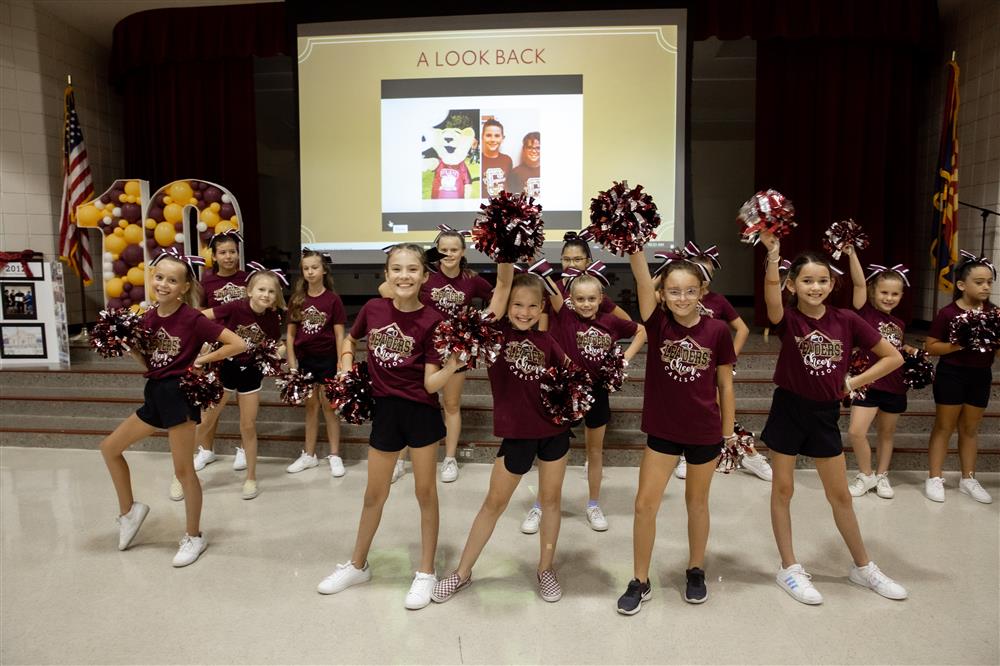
<point x="108" y="229"/>
<point x="119" y="266"/>
<point x="198" y="194"/>
<point x="227" y="211"/>
<point x="126" y="301"/>
<point x="202" y="185"/>
<point x="115" y="194"/>
<point x="155" y="252"/>
<point x="114" y="303"/>
<point x="151" y="244"/>
<point x="156" y="213"/>
<point x="206" y="235"/>
<point x="178" y="227"/>
<point x="131" y="212"/>
<point x="127" y="286"/>
<point x="158" y="201"/>
<point x="213" y="194"/>
<point x="132" y="255"/>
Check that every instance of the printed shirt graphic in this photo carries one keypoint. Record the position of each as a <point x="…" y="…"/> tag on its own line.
<point x="400" y="344"/>
<point x="892" y="329"/>
<point x="446" y="294"/>
<point x="495" y="170"/>
<point x="176" y="340"/>
<point x="518" y="412"/>
<point x="587" y="341"/>
<point x="450" y="181"/>
<point x="679" y="398"/>
<point x="968" y="358"/>
<point x="219" y="290"/>
<point x="314" y="333"/>
<point x="815" y="353"/>
<point x="313" y="320"/>
<point x="254" y="328"/>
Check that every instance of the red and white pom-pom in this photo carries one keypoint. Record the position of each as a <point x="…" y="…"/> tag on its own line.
<point x="623" y="220"/>
<point x="202" y="389"/>
<point x="117" y="332"/>
<point x="350" y="394"/>
<point x="470" y="335"/>
<point x="612" y="373"/>
<point x="918" y="371"/>
<point x="264" y="356"/>
<point x="567" y="393"/>
<point x="733" y="450"/>
<point x="844" y="233"/>
<point x="977" y="330"/>
<point x="766" y="211"/>
<point x="509" y="228"/>
<point x="294" y="388"/>
<point x="860" y="362"/>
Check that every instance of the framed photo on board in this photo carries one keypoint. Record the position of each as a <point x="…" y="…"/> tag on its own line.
<point x="22" y="341"/>
<point x="18" y="300"/>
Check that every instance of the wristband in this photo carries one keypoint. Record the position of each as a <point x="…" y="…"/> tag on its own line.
<point x="729" y="437"/>
<point x="847" y="383"/>
<point x="772" y="281"/>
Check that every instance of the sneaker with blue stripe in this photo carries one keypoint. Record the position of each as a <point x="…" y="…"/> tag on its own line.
<point x="798" y="583"/>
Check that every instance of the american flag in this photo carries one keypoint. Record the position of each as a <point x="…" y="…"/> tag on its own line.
<point x="78" y="188"/>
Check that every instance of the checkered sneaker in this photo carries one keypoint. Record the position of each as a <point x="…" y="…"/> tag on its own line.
<point x="548" y="586"/>
<point x="446" y="588"/>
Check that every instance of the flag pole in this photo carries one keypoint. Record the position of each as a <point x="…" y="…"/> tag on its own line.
<point x="82" y="336"/>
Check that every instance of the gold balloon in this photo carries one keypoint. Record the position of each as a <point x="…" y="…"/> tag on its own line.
<point x="114" y="287"/>
<point x="150" y="223"/>
<point x="133" y="188"/>
<point x="165" y="233"/>
<point x="206" y="254"/>
<point x="173" y="213"/>
<point x="180" y="190"/>
<point x="136" y="276"/>
<point x="122" y="223"/>
<point x="224" y="226"/>
<point x="133" y="234"/>
<point x="89" y="216"/>
<point x="114" y="244"/>
<point x="209" y="217"/>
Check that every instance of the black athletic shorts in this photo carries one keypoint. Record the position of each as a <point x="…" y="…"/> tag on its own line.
<point x="600" y="412"/>
<point x="165" y="405"/>
<point x="240" y="378"/>
<point x="694" y="454"/>
<point x="890" y="403"/>
<point x="962" y="385"/>
<point x="398" y="423"/>
<point x="320" y="367"/>
<point x="798" y="426"/>
<point x="519" y="454"/>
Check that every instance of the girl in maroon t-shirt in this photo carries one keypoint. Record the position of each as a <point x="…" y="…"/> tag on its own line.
<point x="874" y="298"/>
<point x="576" y="254"/>
<point x="811" y="375"/>
<point x="689" y="363"/>
<point x="315" y="335"/>
<point x="225" y="282"/>
<point x="962" y="382"/>
<point x="406" y="374"/>
<point x="178" y="332"/>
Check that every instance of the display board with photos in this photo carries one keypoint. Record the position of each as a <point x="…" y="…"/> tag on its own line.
<point x="32" y="313"/>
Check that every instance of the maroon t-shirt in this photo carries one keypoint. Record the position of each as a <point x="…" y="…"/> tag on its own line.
<point x="254" y="328"/>
<point x="495" y="170"/>
<point x="587" y="341"/>
<point x="816" y="353"/>
<point x="176" y="340"/>
<point x="892" y="329"/>
<point x="717" y="306"/>
<point x="525" y="179"/>
<point x="219" y="290"/>
<point x="941" y="327"/>
<point x="446" y="294"/>
<point x="679" y="399"/>
<point x="399" y="345"/>
<point x="314" y="334"/>
<point x="450" y="181"/>
<point x="518" y="412"/>
<point x="607" y="305"/>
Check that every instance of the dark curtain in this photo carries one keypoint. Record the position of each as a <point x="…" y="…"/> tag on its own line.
<point x="187" y="80"/>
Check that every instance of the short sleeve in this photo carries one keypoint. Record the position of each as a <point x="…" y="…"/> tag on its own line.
<point x="360" y="328"/>
<point x="482" y="289"/>
<point x="863" y="334"/>
<point x="939" y="327"/>
<point x="728" y="312"/>
<point x="607" y="305"/>
<point x="337" y="313"/>
<point x="224" y="311"/>
<point x="623" y="328"/>
<point x="431" y="354"/>
<point x="556" y="354"/>
<point x="206" y="330"/>
<point x="725" y="352"/>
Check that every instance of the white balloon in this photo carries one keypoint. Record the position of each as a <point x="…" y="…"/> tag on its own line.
<point x="202" y="226"/>
<point x="107" y="220"/>
<point x="179" y="238"/>
<point x="226" y="198"/>
<point x="116" y="211"/>
<point x="107" y="256"/>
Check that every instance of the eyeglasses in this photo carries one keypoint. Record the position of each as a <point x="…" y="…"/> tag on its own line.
<point x="677" y="294"/>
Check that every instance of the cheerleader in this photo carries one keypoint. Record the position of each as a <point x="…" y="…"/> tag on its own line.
<point x="962" y="382"/>
<point x="178" y="332"/>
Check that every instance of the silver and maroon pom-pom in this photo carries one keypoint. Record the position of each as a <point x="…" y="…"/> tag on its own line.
<point x="509" y="228"/>
<point x="294" y="388"/>
<point x="612" y="374"/>
<point x="350" y="394"/>
<point x="733" y="450"/>
<point x="567" y="393"/>
<point x="860" y="362"/>
<point x="918" y="371"/>
<point x="844" y="233"/>
<point x="977" y="330"/>
<point x="470" y="335"/>
<point x="623" y="220"/>
<point x="202" y="389"/>
<point x="766" y="211"/>
<point x="264" y="356"/>
<point x="117" y="332"/>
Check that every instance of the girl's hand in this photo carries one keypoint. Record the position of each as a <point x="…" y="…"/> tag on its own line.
<point x="197" y="368"/>
<point x="770" y="241"/>
<point x="910" y="350"/>
<point x="848" y="250"/>
<point x="454" y="363"/>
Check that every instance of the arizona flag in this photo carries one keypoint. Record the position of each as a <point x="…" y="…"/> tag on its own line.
<point x="944" y="247"/>
<point x="78" y="188"/>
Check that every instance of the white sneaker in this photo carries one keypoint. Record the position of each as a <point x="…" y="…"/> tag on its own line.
<point x="530" y="524"/>
<point x="798" y="583"/>
<point x="449" y="470"/>
<point x="681" y="471"/>
<point x="596" y="518"/>
<point x="420" y="590"/>
<point x="304" y="461"/>
<point x="343" y="577"/>
<point x="336" y="466"/>
<point x="934" y="489"/>
<point x="176" y="490"/>
<point x="129" y="524"/>
<point x="883" y="488"/>
<point x="191" y="548"/>
<point x="861" y="484"/>
<point x="871" y="576"/>
<point x="970" y="486"/>
<point x="203" y="457"/>
<point x="757" y="464"/>
<point x="250" y="489"/>
<point x="397" y="472"/>
<point x="240" y="461"/>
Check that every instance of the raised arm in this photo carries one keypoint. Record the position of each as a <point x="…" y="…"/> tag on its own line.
<point x="859" y="295"/>
<point x="772" y="280"/>
<point x="501" y="293"/>
<point x="643" y="285"/>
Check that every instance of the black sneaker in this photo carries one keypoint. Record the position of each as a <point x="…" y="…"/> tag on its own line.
<point x="630" y="603"/>
<point x="696" y="592"/>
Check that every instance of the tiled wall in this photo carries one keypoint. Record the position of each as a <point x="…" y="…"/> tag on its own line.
<point x="972" y="30"/>
<point x="37" y="51"/>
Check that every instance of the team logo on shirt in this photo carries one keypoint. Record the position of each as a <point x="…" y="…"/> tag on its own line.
<point x="891" y="332"/>
<point x="231" y="292"/>
<point x="447" y="298"/>
<point x="494" y="179"/>
<point x="820" y="353"/>
<point x="684" y="360"/>
<point x="593" y="343"/>
<point x="162" y="349"/>
<point x="526" y="360"/>
<point x="449" y="179"/>
<point x="313" y="319"/>
<point x="389" y="345"/>
<point x="252" y="333"/>
<point x="533" y="187"/>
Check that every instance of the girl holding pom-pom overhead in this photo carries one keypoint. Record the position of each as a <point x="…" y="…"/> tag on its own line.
<point x="811" y="377"/>
<point x="965" y="335"/>
<point x="690" y="362"/>
<point x="406" y="374"/>
<point x="315" y="336"/>
<point x="177" y="332"/>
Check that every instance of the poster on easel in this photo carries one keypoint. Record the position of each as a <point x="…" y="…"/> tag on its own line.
<point x="32" y="314"/>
